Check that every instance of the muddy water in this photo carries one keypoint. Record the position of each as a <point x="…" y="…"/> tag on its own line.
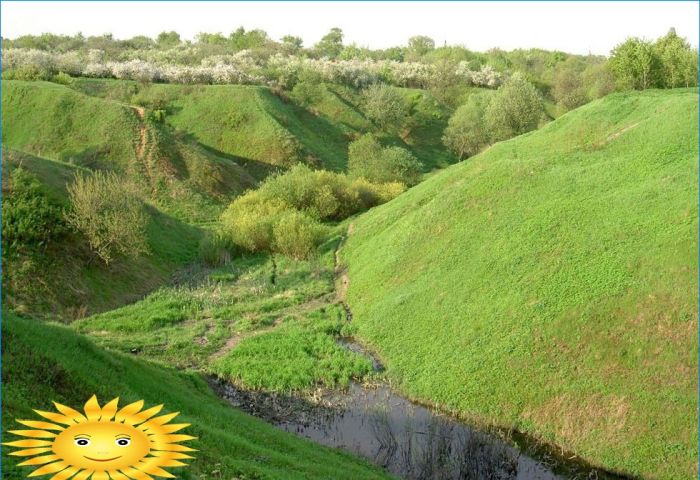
<point x="409" y="440"/>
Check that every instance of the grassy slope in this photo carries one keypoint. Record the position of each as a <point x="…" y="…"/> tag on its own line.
<point x="56" y="122"/>
<point x="72" y="281"/>
<point x="43" y="362"/>
<point x="253" y="124"/>
<point x="283" y="330"/>
<point x="550" y="283"/>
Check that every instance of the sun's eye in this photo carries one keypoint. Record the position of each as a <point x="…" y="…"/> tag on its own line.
<point x="123" y="442"/>
<point x="82" y="442"/>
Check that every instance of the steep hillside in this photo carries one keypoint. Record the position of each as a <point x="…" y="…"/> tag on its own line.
<point x="550" y="284"/>
<point x="56" y="122"/>
<point x="43" y="363"/>
<point x="64" y="280"/>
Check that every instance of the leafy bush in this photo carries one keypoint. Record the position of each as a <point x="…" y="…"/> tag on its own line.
<point x="466" y="131"/>
<point x="385" y="106"/>
<point x="516" y="108"/>
<point x="284" y="214"/>
<point x="30" y="217"/>
<point x="248" y="221"/>
<point x="296" y="234"/>
<point x="62" y="79"/>
<point x="368" y="159"/>
<point x="110" y="213"/>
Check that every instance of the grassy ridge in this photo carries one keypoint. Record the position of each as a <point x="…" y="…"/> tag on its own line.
<point x="72" y="283"/>
<point x="43" y="362"/>
<point x="550" y="284"/>
<point x="56" y="122"/>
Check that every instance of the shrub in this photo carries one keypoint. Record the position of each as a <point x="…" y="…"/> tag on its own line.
<point x="516" y="108"/>
<point x="368" y="159"/>
<point x="248" y="221"/>
<point x="110" y="213"/>
<point x="30" y="217"/>
<point x="62" y="78"/>
<point x="296" y="235"/>
<point x="385" y="106"/>
<point x="215" y="249"/>
<point x="466" y="131"/>
<point x="284" y="214"/>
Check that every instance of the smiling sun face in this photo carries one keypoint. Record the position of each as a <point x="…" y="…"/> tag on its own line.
<point x="103" y="443"/>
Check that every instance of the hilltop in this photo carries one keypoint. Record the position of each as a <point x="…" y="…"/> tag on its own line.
<point x="550" y="284"/>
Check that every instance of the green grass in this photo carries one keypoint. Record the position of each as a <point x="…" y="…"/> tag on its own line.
<point x="550" y="284"/>
<point x="235" y="322"/>
<point x="65" y="280"/>
<point x="43" y="363"/>
<point x="55" y="122"/>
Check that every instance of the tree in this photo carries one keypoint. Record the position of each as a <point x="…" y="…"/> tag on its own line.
<point x="292" y="44"/>
<point x="331" y="44"/>
<point x="168" y="39"/>
<point x="110" y="213"/>
<point x="516" y="108"/>
<point x="385" y="106"/>
<point x="671" y="52"/>
<point x="419" y="46"/>
<point x="466" y="131"/>
<point x="568" y="89"/>
<point x="369" y="160"/>
<point x="635" y="64"/>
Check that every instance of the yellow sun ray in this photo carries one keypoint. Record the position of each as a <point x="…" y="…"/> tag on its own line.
<point x="74" y="415"/>
<point x="165" y="454"/>
<point x="82" y="475"/>
<point x="116" y="475"/>
<point x="50" y="468"/>
<point x="147" y="465"/>
<point x="29" y="451"/>
<point x="171" y="447"/>
<point x="158" y="421"/>
<point x="65" y="474"/>
<point x="104" y="443"/>
<point x="39" y="460"/>
<point x="56" y="417"/>
<point x="109" y="410"/>
<point x="128" y="411"/>
<point x="41" y="425"/>
<point x="136" y="474"/>
<point x="28" y="443"/>
<point x="92" y="409"/>
<point x="142" y="416"/>
<point x="33" y="433"/>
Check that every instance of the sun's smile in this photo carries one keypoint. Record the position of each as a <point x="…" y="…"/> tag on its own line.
<point x="103" y="443"/>
<point x="100" y="459"/>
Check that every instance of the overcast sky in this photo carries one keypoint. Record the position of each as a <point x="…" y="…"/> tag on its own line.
<point x="576" y="27"/>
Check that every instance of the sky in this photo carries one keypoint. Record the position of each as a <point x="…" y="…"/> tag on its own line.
<point x="574" y="27"/>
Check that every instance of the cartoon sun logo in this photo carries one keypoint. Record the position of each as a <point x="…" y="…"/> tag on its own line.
<point x="103" y="443"/>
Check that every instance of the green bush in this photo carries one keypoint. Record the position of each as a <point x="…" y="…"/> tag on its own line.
<point x="30" y="217"/>
<point x="29" y="72"/>
<point x="385" y="106"/>
<point x="248" y="221"/>
<point x="466" y="131"/>
<point x="284" y="214"/>
<point x="110" y="213"/>
<point x="296" y="235"/>
<point x="368" y="159"/>
<point x="516" y="108"/>
<point x="62" y="78"/>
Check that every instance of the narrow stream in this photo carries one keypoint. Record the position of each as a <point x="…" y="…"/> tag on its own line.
<point x="407" y="439"/>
